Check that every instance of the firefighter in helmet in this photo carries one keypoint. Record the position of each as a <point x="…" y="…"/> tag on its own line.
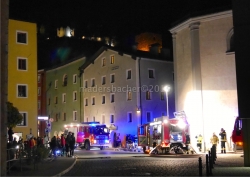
<point x="223" y="139"/>
<point x="199" y="142"/>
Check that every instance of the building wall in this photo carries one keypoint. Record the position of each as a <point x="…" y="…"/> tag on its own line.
<point x="214" y="106"/>
<point x="27" y="77"/>
<point x="122" y="106"/>
<point x="61" y="107"/>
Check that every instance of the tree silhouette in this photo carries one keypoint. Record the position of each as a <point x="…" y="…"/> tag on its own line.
<point x="13" y="116"/>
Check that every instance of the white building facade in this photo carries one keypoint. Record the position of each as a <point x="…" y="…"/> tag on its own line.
<point x="123" y="90"/>
<point x="205" y="76"/>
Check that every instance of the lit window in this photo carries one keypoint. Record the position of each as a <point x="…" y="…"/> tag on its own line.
<point x="22" y="90"/>
<point x="22" y="37"/>
<point x="129" y="117"/>
<point x="22" y="64"/>
<point x="74" y="78"/>
<point x="57" y="117"/>
<point x="39" y="91"/>
<point x="39" y="78"/>
<point x="129" y="74"/>
<point x="24" y="120"/>
<point x="112" y="118"/>
<point x="112" y="59"/>
<point x="151" y="73"/>
<point x="148" y="95"/>
<point x="56" y="82"/>
<point x="129" y="95"/>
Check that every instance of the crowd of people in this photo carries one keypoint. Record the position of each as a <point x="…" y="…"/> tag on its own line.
<point x="65" y="143"/>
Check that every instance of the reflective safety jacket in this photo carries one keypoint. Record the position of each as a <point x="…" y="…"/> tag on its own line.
<point x="223" y="136"/>
<point x="214" y="140"/>
<point x="199" y="139"/>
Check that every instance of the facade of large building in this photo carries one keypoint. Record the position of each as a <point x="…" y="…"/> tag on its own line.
<point x="124" y="90"/>
<point x="63" y="95"/>
<point x="22" y="74"/>
<point x="205" y="76"/>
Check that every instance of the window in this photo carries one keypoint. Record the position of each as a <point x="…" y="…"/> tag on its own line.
<point x="151" y="73"/>
<point x="163" y="95"/>
<point x="56" y="82"/>
<point x="103" y="99"/>
<point x="129" y="117"/>
<point x="39" y="91"/>
<point x="74" y="96"/>
<point x="112" y="59"/>
<point x="112" y="97"/>
<point x="22" y="63"/>
<point x="49" y="101"/>
<point x="39" y="105"/>
<point x="103" y="80"/>
<point x="86" y="101"/>
<point x="129" y="96"/>
<point x="39" y="78"/>
<point x="22" y="37"/>
<point x="56" y="100"/>
<point x="93" y="100"/>
<point x="93" y="118"/>
<point x="24" y="120"/>
<point x="148" y="115"/>
<point x="112" y="118"/>
<point x="65" y="80"/>
<point x="74" y="115"/>
<point x="92" y="82"/>
<point x="64" y="116"/>
<point x="104" y="62"/>
<point x="148" y="95"/>
<point x="74" y="78"/>
<point x="103" y="119"/>
<point x="112" y="78"/>
<point x="22" y="91"/>
<point x="86" y="84"/>
<point x="64" y="97"/>
<point x="129" y="72"/>
<point x="57" y="118"/>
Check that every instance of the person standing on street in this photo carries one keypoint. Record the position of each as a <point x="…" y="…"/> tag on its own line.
<point x="199" y="142"/>
<point x="72" y="145"/>
<point x="63" y="142"/>
<point x="214" y="140"/>
<point x="223" y="139"/>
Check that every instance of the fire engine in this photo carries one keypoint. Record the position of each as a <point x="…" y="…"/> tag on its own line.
<point x="165" y="135"/>
<point x="237" y="137"/>
<point x="91" y="134"/>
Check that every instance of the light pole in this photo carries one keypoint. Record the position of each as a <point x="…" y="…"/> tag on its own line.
<point x="166" y="89"/>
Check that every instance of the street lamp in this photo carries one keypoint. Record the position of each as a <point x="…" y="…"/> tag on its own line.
<point x="166" y="89"/>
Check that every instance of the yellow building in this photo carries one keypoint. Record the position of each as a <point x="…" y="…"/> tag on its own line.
<point x="22" y="74"/>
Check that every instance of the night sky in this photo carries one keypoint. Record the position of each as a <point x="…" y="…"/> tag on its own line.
<point x="120" y="18"/>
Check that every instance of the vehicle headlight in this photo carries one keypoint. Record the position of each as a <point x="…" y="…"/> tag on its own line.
<point x="106" y="141"/>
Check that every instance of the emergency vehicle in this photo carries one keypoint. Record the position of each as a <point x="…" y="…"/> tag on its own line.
<point x="237" y="137"/>
<point x="165" y="135"/>
<point x="91" y="134"/>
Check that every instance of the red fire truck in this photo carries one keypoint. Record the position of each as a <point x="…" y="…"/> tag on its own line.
<point x="237" y="138"/>
<point x="165" y="135"/>
<point x="91" y="134"/>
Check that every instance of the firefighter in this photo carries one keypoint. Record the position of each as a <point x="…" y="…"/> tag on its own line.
<point x="214" y="140"/>
<point x="199" y="142"/>
<point x="223" y="139"/>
